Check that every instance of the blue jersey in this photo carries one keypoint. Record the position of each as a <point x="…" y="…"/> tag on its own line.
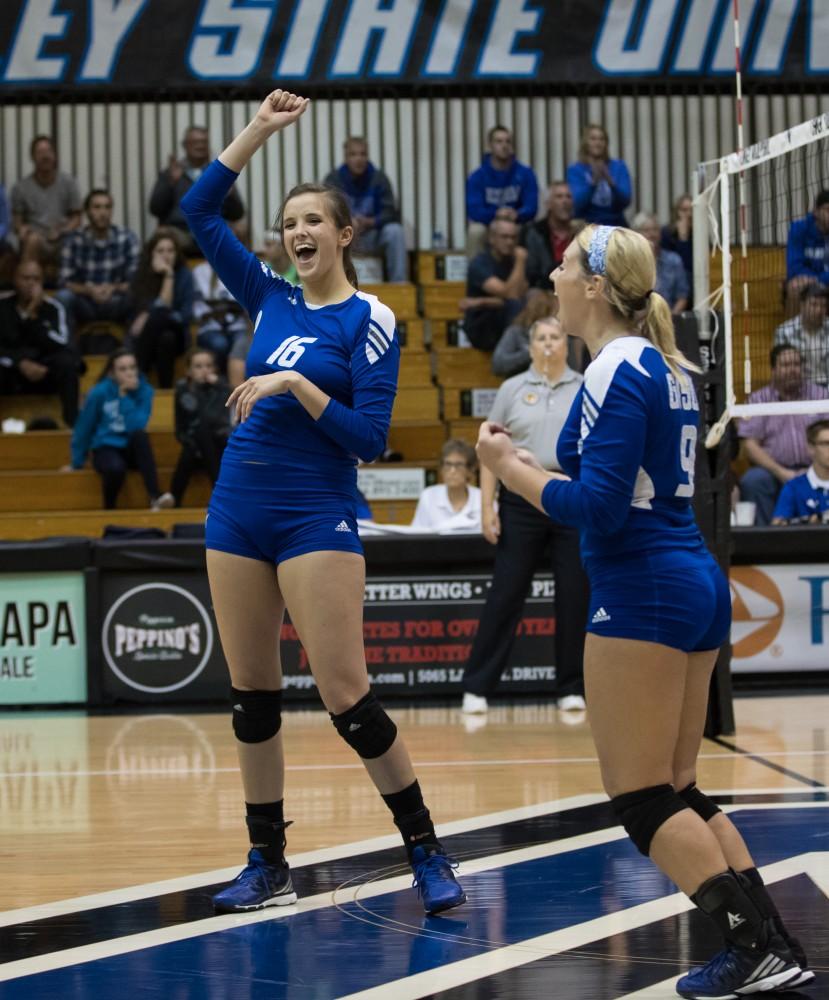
<point x="349" y="350"/>
<point x="803" y="498"/>
<point x="629" y="444"/>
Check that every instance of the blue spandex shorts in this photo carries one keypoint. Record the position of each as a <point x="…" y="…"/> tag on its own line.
<point x="271" y="513"/>
<point x="677" y="598"/>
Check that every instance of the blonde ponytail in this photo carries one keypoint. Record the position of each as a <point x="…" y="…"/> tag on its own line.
<point x="658" y="327"/>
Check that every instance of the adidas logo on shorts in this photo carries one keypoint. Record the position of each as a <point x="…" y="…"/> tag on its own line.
<point x="600" y="616"/>
<point x="342" y="526"/>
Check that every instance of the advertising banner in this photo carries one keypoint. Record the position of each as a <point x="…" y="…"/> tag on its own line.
<point x="42" y="638"/>
<point x="781" y="618"/>
<point x="152" y="46"/>
<point x="160" y="642"/>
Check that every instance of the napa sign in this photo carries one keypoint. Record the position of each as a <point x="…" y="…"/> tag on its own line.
<point x="154" y="46"/>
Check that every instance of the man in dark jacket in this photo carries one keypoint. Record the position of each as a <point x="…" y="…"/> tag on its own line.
<point x="548" y="238"/>
<point x="176" y="180"/>
<point x="377" y="225"/>
<point x="35" y="351"/>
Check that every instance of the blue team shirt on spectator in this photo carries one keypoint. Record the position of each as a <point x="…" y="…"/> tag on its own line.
<point x="602" y="203"/>
<point x="671" y="277"/>
<point x="807" y="250"/>
<point x="349" y="350"/>
<point x="804" y="497"/>
<point x="488" y="189"/>
<point x="629" y="445"/>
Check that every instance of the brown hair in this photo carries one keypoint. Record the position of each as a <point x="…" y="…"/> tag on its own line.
<point x="814" y="429"/>
<point x="340" y="215"/>
<point x="539" y="306"/>
<point x="195" y="351"/>
<point x="585" y="132"/>
<point x="630" y="274"/>
<point x="119" y="352"/>
<point x="146" y="284"/>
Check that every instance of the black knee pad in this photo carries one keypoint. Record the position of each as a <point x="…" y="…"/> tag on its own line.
<point x="257" y="715"/>
<point x="642" y="812"/>
<point x="366" y="728"/>
<point x="700" y="803"/>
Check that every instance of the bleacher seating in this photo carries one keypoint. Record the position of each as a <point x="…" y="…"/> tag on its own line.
<point x="37" y="500"/>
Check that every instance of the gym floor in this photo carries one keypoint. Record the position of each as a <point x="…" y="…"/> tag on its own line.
<point x="116" y="830"/>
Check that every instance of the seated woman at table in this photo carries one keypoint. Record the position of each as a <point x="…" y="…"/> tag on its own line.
<point x="453" y="504"/>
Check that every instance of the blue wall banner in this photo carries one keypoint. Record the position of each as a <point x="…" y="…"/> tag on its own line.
<point x="42" y="638"/>
<point x="151" y="47"/>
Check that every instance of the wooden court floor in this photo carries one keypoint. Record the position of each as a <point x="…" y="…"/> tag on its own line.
<point x="108" y="806"/>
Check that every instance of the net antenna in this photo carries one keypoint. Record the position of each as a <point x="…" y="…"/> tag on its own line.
<point x="740" y="297"/>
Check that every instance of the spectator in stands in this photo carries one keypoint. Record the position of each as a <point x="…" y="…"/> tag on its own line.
<point x="809" y="333"/>
<point x="671" y="278"/>
<point x="678" y="237"/>
<point x="112" y="426"/>
<point x="97" y="264"/>
<point x="374" y="214"/>
<point x="202" y="420"/>
<point x="219" y="317"/>
<point x="175" y="181"/>
<point x="501" y="188"/>
<point x="274" y="254"/>
<point x="807" y="251"/>
<point x="512" y="352"/>
<point x="805" y="499"/>
<point x="496" y="285"/>
<point x="162" y="297"/>
<point x="601" y="186"/>
<point x="548" y="238"/>
<point x="776" y="444"/>
<point x="7" y="254"/>
<point x="532" y="407"/>
<point x="36" y="355"/>
<point x="46" y="205"/>
<point x="454" y="505"/>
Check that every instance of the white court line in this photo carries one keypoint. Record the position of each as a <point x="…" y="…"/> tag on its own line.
<point x="130" y="894"/>
<point x="361" y="892"/>
<point x="418" y="765"/>
<point x="545" y="945"/>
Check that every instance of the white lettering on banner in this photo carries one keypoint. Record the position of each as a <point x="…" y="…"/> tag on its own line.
<point x="228" y="38"/>
<point x="394" y="21"/>
<point x="618" y="53"/>
<point x="133" y="640"/>
<point x="512" y="18"/>
<point x="780" y="617"/>
<point x="690" y="54"/>
<point x="110" y="23"/>
<point x="817" y="46"/>
<point x="723" y="59"/>
<point x="38" y="24"/>
<point x="391" y="484"/>
<point x="448" y="39"/>
<point x="301" y="42"/>
<point x="773" y="36"/>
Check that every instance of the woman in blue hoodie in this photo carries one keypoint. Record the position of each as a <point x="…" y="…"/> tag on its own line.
<point x="112" y="426"/>
<point x="601" y="187"/>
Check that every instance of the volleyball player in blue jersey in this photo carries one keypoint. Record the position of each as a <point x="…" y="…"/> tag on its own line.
<point x="281" y="529"/>
<point x="660" y="607"/>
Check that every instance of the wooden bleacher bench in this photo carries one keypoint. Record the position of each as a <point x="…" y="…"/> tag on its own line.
<point x="464" y="368"/>
<point x="45" y="524"/>
<point x="412" y="335"/>
<point x="49" y="450"/>
<point x="416" y="403"/>
<point x="400" y="297"/>
<point x="442" y="299"/>
<point x="465" y="428"/>
<point x="51" y="490"/>
<point x="438" y="266"/>
<point x="415" y="369"/>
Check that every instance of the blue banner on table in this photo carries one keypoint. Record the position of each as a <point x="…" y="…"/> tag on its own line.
<point x="160" y="642"/>
<point x="153" y="47"/>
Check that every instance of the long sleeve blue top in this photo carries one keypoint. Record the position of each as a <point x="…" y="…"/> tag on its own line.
<point x="108" y="418"/>
<point x="488" y="189"/>
<point x="349" y="350"/>
<point x="629" y="444"/>
<point x="603" y="203"/>
<point x="807" y="250"/>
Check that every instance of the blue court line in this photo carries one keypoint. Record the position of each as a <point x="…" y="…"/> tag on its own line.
<point x="339" y="950"/>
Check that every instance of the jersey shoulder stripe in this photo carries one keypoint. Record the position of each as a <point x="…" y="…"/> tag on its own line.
<point x="380" y="327"/>
<point x="600" y="374"/>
